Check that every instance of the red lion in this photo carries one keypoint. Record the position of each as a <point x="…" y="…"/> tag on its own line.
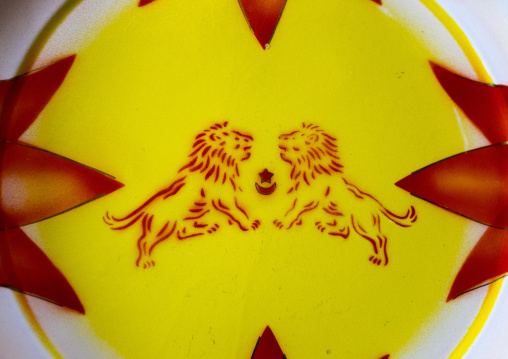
<point x="209" y="179"/>
<point x="319" y="187"/>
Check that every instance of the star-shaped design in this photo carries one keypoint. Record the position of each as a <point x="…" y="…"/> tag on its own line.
<point x="37" y="184"/>
<point x="266" y="176"/>
<point x="473" y="184"/>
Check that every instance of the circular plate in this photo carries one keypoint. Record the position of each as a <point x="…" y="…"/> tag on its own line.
<point x="256" y="164"/>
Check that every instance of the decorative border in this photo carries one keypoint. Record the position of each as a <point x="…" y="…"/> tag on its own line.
<point x="445" y="19"/>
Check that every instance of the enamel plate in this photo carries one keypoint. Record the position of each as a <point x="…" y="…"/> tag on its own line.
<point x="253" y="179"/>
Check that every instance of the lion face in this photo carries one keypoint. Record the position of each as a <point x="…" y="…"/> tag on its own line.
<point x="235" y="143"/>
<point x="310" y="149"/>
<point x="229" y="144"/>
<point x="294" y="146"/>
<point x="218" y="147"/>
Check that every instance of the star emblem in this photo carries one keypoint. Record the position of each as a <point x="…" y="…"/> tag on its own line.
<point x="266" y="176"/>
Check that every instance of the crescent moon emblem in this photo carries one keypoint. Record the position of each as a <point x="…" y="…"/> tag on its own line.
<point x="266" y="190"/>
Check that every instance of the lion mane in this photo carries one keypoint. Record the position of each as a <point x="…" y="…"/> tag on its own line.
<point x="314" y="153"/>
<point x="210" y="175"/>
<point x="319" y="187"/>
<point x="211" y="156"/>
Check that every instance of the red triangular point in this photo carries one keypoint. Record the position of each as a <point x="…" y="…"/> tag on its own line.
<point x="25" y="267"/>
<point x="267" y="347"/>
<point x="50" y="184"/>
<point x="24" y="97"/>
<point x="144" y="2"/>
<point x="473" y="184"/>
<point x="263" y="17"/>
<point x="487" y="261"/>
<point x="485" y="104"/>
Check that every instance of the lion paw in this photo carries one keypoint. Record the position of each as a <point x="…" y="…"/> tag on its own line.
<point x="280" y="224"/>
<point x="320" y="226"/>
<point x="332" y="229"/>
<point x="145" y="264"/>
<point x="255" y="224"/>
<point x="378" y="260"/>
<point x="213" y="228"/>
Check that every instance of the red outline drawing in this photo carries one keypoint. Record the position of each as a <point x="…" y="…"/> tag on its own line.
<point x="312" y="153"/>
<point x="214" y="160"/>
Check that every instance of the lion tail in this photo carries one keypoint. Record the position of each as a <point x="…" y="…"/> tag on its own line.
<point x="406" y="220"/>
<point x="142" y="213"/>
<point x="125" y="222"/>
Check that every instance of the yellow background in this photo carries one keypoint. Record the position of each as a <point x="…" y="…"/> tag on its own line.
<point x="154" y="78"/>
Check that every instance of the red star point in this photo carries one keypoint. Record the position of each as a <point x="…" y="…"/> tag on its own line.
<point x="24" y="266"/>
<point x="486" y="262"/>
<point x="144" y="2"/>
<point x="263" y="17"/>
<point x="472" y="184"/>
<point x="267" y="347"/>
<point x="486" y="105"/>
<point x="24" y="97"/>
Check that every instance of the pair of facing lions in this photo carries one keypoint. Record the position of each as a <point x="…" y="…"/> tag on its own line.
<point x="211" y="176"/>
